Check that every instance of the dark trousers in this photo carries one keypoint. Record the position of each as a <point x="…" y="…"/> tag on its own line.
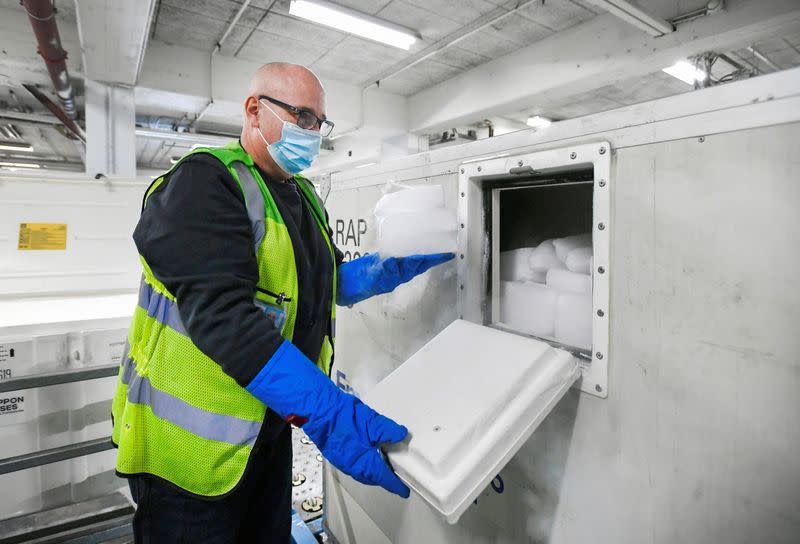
<point x="257" y="511"/>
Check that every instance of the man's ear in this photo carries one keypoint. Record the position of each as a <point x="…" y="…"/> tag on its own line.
<point x="251" y="110"/>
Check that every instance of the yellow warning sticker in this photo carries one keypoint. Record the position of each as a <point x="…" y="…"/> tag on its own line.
<point x="42" y="236"/>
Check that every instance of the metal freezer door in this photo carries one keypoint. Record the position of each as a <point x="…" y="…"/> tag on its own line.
<point x="470" y="398"/>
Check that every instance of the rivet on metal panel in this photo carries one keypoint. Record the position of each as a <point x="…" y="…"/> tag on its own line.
<point x="462" y="256"/>
<point x="573" y="155"/>
<point x="462" y="195"/>
<point x="601" y="226"/>
<point x="462" y="170"/>
<point x="298" y="479"/>
<point x="519" y="163"/>
<point x="305" y="440"/>
<point x="602" y="150"/>
<point x="461" y="286"/>
<point x="319" y="457"/>
<point x="701" y="139"/>
<point x="598" y="388"/>
<point x="480" y="168"/>
<point x="598" y="355"/>
<point x="462" y="225"/>
<point x="600" y="313"/>
<point x="601" y="270"/>
<point x="602" y="183"/>
<point x="436" y="428"/>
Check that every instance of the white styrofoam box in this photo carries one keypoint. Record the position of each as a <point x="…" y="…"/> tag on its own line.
<point x="478" y="394"/>
<point x="568" y="243"/>
<point x="574" y="320"/>
<point x="528" y="307"/>
<point x="18" y="357"/>
<point x="579" y="260"/>
<point x="514" y="266"/>
<point x="402" y="234"/>
<point x="411" y="200"/>
<point x="103" y="347"/>
<point x="543" y="257"/>
<point x="564" y="280"/>
<point x="20" y="492"/>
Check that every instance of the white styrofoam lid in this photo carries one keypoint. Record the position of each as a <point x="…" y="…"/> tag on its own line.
<point x="470" y="398"/>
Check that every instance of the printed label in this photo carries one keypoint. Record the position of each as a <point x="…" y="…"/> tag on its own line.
<point x="116" y="350"/>
<point x="42" y="236"/>
<point x="348" y="235"/>
<point x="15" y="358"/>
<point x="13" y="404"/>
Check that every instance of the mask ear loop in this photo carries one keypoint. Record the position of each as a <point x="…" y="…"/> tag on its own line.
<point x="258" y="127"/>
<point x="271" y="111"/>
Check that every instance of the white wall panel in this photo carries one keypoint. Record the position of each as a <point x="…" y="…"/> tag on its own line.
<point x="100" y="218"/>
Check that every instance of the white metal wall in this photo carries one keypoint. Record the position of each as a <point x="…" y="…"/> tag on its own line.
<point x="62" y="310"/>
<point x="100" y="218"/>
<point x="697" y="440"/>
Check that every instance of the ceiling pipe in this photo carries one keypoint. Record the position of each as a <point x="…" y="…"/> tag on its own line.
<point x="763" y="58"/>
<point x="216" y="50"/>
<point x="41" y="14"/>
<point x="151" y="134"/>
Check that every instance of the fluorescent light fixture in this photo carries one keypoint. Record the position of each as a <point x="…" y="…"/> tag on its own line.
<point x="685" y="71"/>
<point x="16" y="146"/>
<point x="365" y="165"/>
<point x="537" y="121"/>
<point x="486" y="158"/>
<point x="19" y="165"/>
<point x="353" y="22"/>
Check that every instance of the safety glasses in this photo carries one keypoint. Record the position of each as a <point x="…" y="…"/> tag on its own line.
<point x="305" y="119"/>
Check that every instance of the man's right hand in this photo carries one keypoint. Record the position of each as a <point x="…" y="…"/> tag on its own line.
<point x="347" y="431"/>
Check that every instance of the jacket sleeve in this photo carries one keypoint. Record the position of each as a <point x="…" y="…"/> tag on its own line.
<point x="196" y="237"/>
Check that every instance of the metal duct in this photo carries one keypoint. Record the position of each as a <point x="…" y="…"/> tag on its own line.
<point x="42" y="17"/>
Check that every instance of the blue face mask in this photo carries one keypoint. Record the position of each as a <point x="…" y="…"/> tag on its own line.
<point x="296" y="149"/>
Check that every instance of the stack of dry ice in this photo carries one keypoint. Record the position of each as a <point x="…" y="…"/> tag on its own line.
<point x="547" y="290"/>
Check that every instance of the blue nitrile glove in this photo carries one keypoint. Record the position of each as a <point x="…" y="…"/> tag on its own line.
<point x="370" y="275"/>
<point x="346" y="431"/>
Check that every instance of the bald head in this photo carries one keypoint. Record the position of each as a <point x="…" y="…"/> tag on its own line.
<point x="289" y="83"/>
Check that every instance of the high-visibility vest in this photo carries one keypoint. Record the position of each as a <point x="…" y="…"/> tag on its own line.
<point x="176" y="414"/>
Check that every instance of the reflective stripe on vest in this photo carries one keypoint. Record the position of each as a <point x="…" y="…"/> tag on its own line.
<point x="160" y="308"/>
<point x="203" y="423"/>
<point x="255" y="201"/>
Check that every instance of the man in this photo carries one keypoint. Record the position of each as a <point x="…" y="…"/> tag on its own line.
<point x="233" y="335"/>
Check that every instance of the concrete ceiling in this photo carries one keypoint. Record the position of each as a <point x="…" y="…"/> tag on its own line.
<point x="266" y="32"/>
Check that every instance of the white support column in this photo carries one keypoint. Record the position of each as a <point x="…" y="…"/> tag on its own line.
<point x="110" y="130"/>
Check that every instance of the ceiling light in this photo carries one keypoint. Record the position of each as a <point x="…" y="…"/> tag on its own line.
<point x="685" y="71"/>
<point x="16" y="146"/>
<point x="537" y="121"/>
<point x="353" y="22"/>
<point x="19" y="165"/>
